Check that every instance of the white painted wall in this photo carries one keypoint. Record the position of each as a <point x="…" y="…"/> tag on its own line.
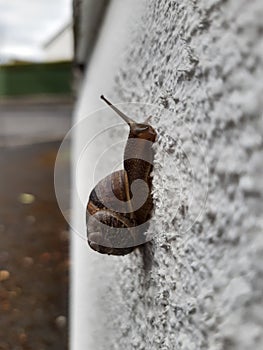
<point x="200" y="63"/>
<point x="61" y="49"/>
<point x="91" y="273"/>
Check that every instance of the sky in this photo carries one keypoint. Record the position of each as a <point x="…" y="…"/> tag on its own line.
<point x="25" y="25"/>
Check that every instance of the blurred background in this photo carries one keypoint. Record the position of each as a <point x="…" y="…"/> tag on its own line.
<point x="36" y="51"/>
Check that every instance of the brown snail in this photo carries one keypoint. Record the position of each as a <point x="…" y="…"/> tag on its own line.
<point x="120" y="205"/>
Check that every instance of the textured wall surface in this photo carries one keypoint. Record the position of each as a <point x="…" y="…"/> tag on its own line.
<point x="201" y="63"/>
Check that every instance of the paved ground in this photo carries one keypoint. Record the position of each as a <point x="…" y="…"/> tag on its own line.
<point x="27" y="121"/>
<point x="33" y="233"/>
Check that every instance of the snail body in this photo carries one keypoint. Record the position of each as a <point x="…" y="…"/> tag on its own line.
<point x="120" y="205"/>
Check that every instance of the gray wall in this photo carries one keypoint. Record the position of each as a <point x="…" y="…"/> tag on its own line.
<point x="201" y="64"/>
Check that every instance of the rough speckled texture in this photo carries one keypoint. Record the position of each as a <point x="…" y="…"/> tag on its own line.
<point x="201" y="62"/>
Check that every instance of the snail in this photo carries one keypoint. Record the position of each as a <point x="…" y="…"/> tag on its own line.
<point x="120" y="205"/>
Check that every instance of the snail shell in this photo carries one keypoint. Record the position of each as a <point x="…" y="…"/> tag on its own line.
<point x="103" y="238"/>
<point x="120" y="205"/>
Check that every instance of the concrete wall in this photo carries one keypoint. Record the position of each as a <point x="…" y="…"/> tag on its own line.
<point x="201" y="64"/>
